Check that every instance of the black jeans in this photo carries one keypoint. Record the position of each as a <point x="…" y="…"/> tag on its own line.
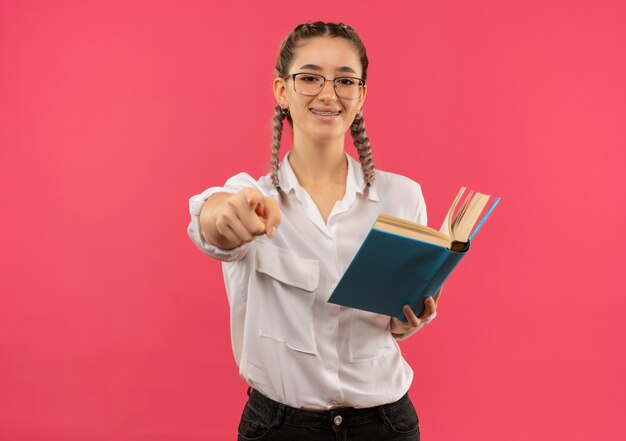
<point x="266" y="419"/>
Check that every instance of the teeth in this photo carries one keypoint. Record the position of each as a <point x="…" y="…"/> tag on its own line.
<point x="324" y="113"/>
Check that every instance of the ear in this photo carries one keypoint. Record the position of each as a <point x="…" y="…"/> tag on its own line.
<point x="280" y="90"/>
<point x="362" y="98"/>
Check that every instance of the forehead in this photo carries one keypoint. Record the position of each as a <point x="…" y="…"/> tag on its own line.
<point x="329" y="53"/>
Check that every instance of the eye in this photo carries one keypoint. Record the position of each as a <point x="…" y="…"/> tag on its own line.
<point x="346" y="81"/>
<point x="308" y="78"/>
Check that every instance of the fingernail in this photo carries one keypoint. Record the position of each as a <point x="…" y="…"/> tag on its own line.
<point x="271" y="232"/>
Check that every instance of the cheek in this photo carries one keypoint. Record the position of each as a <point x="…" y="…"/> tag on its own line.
<point x="353" y="113"/>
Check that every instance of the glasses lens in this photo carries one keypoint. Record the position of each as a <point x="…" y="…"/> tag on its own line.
<point x="348" y="88"/>
<point x="308" y="84"/>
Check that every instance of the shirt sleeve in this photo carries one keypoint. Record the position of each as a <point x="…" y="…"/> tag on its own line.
<point x="233" y="185"/>
<point x="421" y="216"/>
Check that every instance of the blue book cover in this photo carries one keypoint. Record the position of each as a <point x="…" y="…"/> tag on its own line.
<point x="391" y="270"/>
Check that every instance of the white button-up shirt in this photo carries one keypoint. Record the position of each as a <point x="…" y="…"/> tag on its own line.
<point x="289" y="342"/>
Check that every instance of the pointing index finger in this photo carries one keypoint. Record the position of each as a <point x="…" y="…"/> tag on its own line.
<point x="271" y="213"/>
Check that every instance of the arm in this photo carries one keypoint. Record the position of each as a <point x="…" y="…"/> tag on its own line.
<point x="403" y="330"/>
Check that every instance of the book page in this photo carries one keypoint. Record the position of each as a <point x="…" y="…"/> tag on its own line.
<point x="446" y="227"/>
<point x="456" y="227"/>
<point x="468" y="216"/>
<point x="411" y="229"/>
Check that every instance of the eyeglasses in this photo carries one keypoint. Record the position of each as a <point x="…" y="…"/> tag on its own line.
<point x="309" y="84"/>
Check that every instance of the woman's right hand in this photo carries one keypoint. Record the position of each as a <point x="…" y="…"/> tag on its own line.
<point x="228" y="220"/>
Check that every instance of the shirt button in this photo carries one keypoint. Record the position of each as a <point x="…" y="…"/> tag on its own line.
<point x="338" y="420"/>
<point x="333" y="286"/>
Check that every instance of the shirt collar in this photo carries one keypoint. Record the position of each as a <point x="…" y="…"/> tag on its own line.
<point x="354" y="180"/>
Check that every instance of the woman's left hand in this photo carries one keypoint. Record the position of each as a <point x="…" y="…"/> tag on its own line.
<point x="430" y="306"/>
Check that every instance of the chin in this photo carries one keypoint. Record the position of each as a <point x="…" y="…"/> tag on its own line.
<point x="326" y="138"/>
<point x="327" y="135"/>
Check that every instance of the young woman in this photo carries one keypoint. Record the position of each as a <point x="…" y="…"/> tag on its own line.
<point x="316" y="370"/>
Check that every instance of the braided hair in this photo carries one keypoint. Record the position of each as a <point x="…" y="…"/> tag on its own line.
<point x="283" y="62"/>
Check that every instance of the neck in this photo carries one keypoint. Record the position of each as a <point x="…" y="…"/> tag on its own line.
<point x="319" y="163"/>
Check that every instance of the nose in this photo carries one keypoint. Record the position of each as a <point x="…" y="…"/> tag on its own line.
<point x="328" y="90"/>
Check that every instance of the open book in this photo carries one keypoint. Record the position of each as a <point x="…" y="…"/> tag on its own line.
<point x="402" y="262"/>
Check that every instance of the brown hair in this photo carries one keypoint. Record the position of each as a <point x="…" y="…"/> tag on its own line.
<point x="283" y="63"/>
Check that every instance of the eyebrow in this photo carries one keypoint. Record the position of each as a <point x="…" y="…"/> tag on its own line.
<point x="339" y="69"/>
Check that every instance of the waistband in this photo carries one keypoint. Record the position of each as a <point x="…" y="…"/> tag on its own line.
<point x="311" y="418"/>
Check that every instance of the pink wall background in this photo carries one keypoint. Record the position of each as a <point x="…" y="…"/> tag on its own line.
<point x="113" y="326"/>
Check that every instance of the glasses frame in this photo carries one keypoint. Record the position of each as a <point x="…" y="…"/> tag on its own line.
<point x="334" y="80"/>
